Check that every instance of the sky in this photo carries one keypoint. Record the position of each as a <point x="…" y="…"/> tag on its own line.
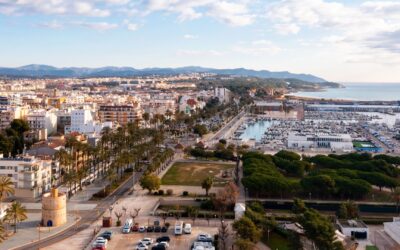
<point x="339" y="40"/>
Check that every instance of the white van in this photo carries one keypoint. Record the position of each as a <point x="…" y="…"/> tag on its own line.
<point x="127" y="226"/>
<point x="187" y="228"/>
<point x="178" y="228"/>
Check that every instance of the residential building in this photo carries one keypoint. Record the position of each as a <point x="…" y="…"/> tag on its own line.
<point x="120" y="114"/>
<point x="31" y="176"/>
<point x="223" y="94"/>
<point x="42" y="119"/>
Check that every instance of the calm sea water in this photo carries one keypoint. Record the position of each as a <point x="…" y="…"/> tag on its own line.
<point x="256" y="131"/>
<point x="359" y="92"/>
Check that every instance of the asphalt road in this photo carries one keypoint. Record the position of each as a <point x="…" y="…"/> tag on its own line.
<point x="87" y="217"/>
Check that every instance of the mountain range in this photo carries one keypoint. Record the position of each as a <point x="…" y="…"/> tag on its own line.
<point x="37" y="70"/>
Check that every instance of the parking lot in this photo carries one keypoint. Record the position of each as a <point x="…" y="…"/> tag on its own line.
<point x="181" y="242"/>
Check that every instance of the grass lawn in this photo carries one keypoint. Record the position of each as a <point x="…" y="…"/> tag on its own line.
<point x="371" y="248"/>
<point x="193" y="173"/>
<point x="277" y="242"/>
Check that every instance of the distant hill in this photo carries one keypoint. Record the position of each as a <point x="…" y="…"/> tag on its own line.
<point x="36" y="70"/>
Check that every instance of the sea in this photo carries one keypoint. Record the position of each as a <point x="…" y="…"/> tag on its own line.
<point x="358" y="92"/>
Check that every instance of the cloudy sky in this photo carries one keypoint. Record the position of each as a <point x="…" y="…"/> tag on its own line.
<point x="340" y="40"/>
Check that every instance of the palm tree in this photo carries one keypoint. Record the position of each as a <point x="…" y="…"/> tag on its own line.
<point x="6" y="187"/>
<point x="15" y="214"/>
<point x="64" y="159"/>
<point x="69" y="179"/>
<point x="2" y="232"/>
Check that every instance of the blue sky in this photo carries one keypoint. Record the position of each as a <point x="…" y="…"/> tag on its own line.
<point x="338" y="40"/>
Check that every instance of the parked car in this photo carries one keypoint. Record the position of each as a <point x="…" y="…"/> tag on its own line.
<point x="127" y="226"/>
<point x="150" y="229"/>
<point x="142" y="229"/>
<point x="99" y="248"/>
<point x="135" y="227"/>
<point x="157" y="229"/>
<point x="164" y="229"/>
<point x="187" y="228"/>
<point x="163" y="238"/>
<point x="142" y="246"/>
<point x="146" y="241"/>
<point x="100" y="241"/>
<point x="158" y="247"/>
<point x="163" y="243"/>
<point x="106" y="235"/>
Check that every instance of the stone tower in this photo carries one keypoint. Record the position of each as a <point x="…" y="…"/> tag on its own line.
<point x="54" y="209"/>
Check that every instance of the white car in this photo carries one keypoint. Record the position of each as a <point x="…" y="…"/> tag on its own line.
<point x="142" y="246"/>
<point x="142" y="229"/>
<point x="146" y="241"/>
<point x="101" y="241"/>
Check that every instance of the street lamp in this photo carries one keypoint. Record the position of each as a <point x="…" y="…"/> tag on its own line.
<point x="111" y="208"/>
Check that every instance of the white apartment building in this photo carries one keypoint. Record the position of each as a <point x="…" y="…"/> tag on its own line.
<point x="223" y="94"/>
<point x="31" y="176"/>
<point x="82" y="121"/>
<point x="42" y="119"/>
<point x="334" y="142"/>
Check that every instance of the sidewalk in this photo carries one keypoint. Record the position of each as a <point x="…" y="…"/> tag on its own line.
<point x="86" y="193"/>
<point x="28" y="231"/>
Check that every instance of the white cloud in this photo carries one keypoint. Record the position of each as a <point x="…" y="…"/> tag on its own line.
<point x="99" y="26"/>
<point x="234" y="13"/>
<point x="132" y="26"/>
<point x="54" y="7"/>
<point x="51" y="25"/>
<point x="190" y="37"/>
<point x="372" y="27"/>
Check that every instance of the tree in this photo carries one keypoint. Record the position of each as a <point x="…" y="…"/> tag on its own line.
<point x="200" y="129"/>
<point x="348" y="210"/>
<point x="207" y="184"/>
<point x="15" y="214"/>
<point x="243" y="244"/>
<point x="118" y="215"/>
<point x="150" y="182"/>
<point x="6" y="187"/>
<point x="146" y="117"/>
<point x="316" y="227"/>
<point x="2" y="232"/>
<point x="192" y="212"/>
<point x="246" y="229"/>
<point x="223" y="235"/>
<point x="226" y="198"/>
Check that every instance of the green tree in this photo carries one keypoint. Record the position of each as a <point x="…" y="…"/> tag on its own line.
<point x="150" y="182"/>
<point x="348" y="210"/>
<point x="246" y="229"/>
<point x="15" y="214"/>
<point x="317" y="227"/>
<point x="243" y="244"/>
<point x="207" y="183"/>
<point x="200" y="129"/>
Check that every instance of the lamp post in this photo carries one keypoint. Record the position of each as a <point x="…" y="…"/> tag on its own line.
<point x="39" y="231"/>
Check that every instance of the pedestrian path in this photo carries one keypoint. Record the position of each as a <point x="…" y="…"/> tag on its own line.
<point x="29" y="231"/>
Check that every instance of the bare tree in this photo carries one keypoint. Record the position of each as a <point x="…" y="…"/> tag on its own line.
<point x="225" y="198"/>
<point x="118" y="215"/>
<point x="223" y="235"/>
<point x="164" y="217"/>
<point x="135" y="213"/>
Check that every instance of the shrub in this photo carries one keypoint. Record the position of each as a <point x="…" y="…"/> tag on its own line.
<point x="170" y="191"/>
<point x="185" y="193"/>
<point x="161" y="192"/>
<point x="167" y="224"/>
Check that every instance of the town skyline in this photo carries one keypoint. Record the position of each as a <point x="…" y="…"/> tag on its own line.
<point x="343" y="41"/>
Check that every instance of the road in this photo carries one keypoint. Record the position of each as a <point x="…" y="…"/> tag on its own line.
<point x="87" y="217"/>
<point x="221" y="133"/>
